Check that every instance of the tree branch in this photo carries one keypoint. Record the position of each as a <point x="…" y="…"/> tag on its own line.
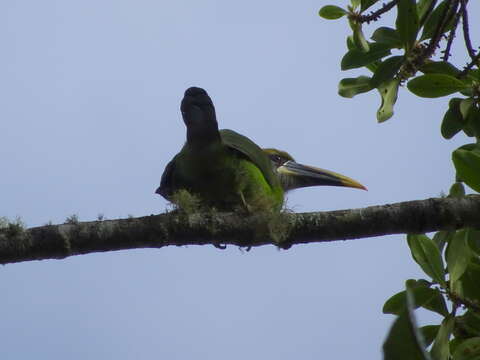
<point x="374" y="16"/>
<point x="283" y="230"/>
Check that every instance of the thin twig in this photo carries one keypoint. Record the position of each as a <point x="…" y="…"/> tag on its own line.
<point x="374" y="16"/>
<point x="451" y="36"/>
<point x="466" y="31"/>
<point x="473" y="305"/>
<point x="450" y="10"/>
<point x="475" y="61"/>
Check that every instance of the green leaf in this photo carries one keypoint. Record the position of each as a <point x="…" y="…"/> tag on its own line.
<point x="442" y="237"/>
<point x="467" y="164"/>
<point x="426" y="253"/>
<point x="405" y="340"/>
<point x="456" y="287"/>
<point x="439" y="67"/>
<point x="359" y="39"/>
<point x="470" y="147"/>
<point x="350" y="87"/>
<point x="387" y="36"/>
<point x="441" y="349"/>
<point x="426" y="297"/>
<point x="356" y="58"/>
<point x="355" y="3"/>
<point x="350" y="43"/>
<point x="429" y="333"/>
<point x="468" y="111"/>
<point x="473" y="239"/>
<point x="423" y="6"/>
<point x="474" y="73"/>
<point x="467" y="92"/>
<point x="468" y="350"/>
<point x="453" y="120"/>
<point x="465" y="106"/>
<point x="470" y="277"/>
<point x="467" y="325"/>
<point x="457" y="190"/>
<point x="473" y="119"/>
<point x="332" y="12"/>
<point x="435" y="85"/>
<point x="434" y="20"/>
<point x="388" y="91"/>
<point x="471" y="115"/>
<point x="407" y="22"/>
<point x="366" y="4"/>
<point x="458" y="255"/>
<point x="387" y="70"/>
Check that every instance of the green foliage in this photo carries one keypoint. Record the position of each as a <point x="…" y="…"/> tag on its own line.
<point x="435" y="85"/>
<point x="439" y="67"/>
<point x="457" y="190"/>
<point x="453" y="120"/>
<point x="424" y="296"/>
<point x="352" y="86"/>
<point x="441" y="347"/>
<point x="468" y="350"/>
<point x="405" y="340"/>
<point x="470" y="281"/>
<point x="358" y="38"/>
<point x="467" y="164"/>
<point x="386" y="71"/>
<point x="429" y="333"/>
<point x="407" y="22"/>
<point x="389" y="93"/>
<point x="365" y="4"/>
<point x="423" y="7"/>
<point x="356" y="58"/>
<point x="452" y="257"/>
<point x="387" y="36"/>
<point x="332" y="12"/>
<point x="458" y="255"/>
<point x="427" y="254"/>
<point x="435" y="20"/>
<point x="441" y="77"/>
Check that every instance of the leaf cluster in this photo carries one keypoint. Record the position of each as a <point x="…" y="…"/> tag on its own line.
<point x="451" y="259"/>
<point x="420" y="27"/>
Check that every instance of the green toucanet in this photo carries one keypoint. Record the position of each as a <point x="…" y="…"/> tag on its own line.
<point x="228" y="171"/>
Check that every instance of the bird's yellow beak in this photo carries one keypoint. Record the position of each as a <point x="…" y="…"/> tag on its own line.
<point x="302" y="176"/>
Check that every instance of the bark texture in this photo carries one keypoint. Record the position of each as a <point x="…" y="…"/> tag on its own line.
<point x="219" y="229"/>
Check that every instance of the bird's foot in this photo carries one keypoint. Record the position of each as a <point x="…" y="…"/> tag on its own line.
<point x="220" y="246"/>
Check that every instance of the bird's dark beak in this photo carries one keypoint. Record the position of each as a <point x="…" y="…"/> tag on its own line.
<point x="302" y="176"/>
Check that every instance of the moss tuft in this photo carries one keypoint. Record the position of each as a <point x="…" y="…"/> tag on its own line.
<point x="72" y="220"/>
<point x="186" y="202"/>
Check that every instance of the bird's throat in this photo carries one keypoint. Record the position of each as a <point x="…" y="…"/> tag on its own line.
<point x="202" y="137"/>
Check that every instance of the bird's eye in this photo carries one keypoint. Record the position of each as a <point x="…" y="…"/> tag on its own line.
<point x="276" y="159"/>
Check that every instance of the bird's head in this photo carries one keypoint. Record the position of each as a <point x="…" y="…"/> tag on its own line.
<point x="197" y="109"/>
<point x="293" y="175"/>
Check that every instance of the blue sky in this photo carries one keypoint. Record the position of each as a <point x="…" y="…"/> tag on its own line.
<point x="89" y="102"/>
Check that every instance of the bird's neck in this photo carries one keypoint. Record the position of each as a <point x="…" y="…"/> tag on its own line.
<point x="203" y="137"/>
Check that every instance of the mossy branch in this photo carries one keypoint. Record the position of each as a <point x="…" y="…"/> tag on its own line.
<point x="283" y="229"/>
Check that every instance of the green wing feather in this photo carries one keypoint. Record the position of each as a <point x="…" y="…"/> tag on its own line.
<point x="252" y="151"/>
